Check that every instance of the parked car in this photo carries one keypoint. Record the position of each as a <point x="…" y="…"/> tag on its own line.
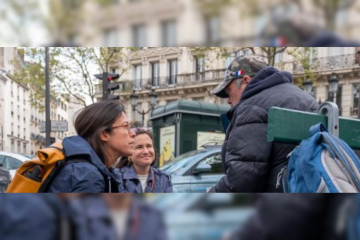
<point x="4" y="179"/>
<point x="12" y="161"/>
<point x="196" y="171"/>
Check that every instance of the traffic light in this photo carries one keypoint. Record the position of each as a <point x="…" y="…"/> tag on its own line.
<point x="107" y="85"/>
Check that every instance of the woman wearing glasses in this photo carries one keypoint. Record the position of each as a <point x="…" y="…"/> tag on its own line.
<point x="136" y="173"/>
<point x="104" y="134"/>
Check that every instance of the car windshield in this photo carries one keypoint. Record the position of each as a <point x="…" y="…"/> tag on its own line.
<point x="180" y="162"/>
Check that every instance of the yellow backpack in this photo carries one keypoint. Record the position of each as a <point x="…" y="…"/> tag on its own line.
<point x="37" y="174"/>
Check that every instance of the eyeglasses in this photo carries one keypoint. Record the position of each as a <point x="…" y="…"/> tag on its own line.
<point x="128" y="127"/>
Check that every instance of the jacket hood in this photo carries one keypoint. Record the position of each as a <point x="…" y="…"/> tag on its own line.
<point x="76" y="146"/>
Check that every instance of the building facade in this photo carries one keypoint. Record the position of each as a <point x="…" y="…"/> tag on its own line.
<point x="19" y="120"/>
<point x="181" y="72"/>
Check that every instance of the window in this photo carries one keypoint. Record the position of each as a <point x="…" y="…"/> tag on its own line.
<point x="137" y="72"/>
<point x="173" y="71"/>
<point x="155" y="74"/>
<point x="356" y="94"/>
<point x="24" y="146"/>
<point x="110" y="37"/>
<point x="212" y="28"/>
<point x="279" y="57"/>
<point x="199" y="68"/>
<point x="242" y="52"/>
<point x="11" y="163"/>
<point x="229" y="59"/>
<point x="12" y="146"/>
<point x="215" y="162"/>
<point x="139" y="35"/>
<point x="18" y="146"/>
<point x="200" y="65"/>
<point x="168" y="31"/>
<point x="335" y="51"/>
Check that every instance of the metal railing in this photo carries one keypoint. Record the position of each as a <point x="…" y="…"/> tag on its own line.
<point x="327" y="63"/>
<point x="176" y="80"/>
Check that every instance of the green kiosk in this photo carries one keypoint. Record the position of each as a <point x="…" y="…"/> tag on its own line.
<point x="184" y="125"/>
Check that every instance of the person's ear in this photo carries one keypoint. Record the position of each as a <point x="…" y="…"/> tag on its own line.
<point x="104" y="136"/>
<point x="247" y="79"/>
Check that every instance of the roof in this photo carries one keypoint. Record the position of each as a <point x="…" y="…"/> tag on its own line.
<point x="191" y="107"/>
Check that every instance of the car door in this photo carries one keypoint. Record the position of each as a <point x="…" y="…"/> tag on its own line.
<point x="199" y="183"/>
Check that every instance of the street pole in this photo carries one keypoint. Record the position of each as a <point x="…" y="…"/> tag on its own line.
<point x="143" y="117"/>
<point x="47" y="98"/>
<point x="105" y="86"/>
<point x="335" y="97"/>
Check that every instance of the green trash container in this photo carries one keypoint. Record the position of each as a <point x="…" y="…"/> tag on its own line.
<point x="184" y="125"/>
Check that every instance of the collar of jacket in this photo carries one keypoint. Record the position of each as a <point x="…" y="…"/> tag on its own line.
<point x="130" y="173"/>
<point x="267" y="78"/>
<point x="76" y="146"/>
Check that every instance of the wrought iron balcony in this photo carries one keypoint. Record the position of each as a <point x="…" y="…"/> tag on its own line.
<point x="177" y="80"/>
<point x="328" y="63"/>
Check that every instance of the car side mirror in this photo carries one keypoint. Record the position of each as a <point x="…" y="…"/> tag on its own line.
<point x="202" y="168"/>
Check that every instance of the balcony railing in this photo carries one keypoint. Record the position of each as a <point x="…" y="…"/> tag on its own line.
<point x="328" y="63"/>
<point x="177" y="80"/>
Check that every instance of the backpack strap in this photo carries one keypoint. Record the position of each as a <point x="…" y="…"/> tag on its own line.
<point x="318" y="128"/>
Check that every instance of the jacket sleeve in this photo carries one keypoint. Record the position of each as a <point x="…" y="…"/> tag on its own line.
<point x="247" y="154"/>
<point x="169" y="186"/>
<point x="78" y="178"/>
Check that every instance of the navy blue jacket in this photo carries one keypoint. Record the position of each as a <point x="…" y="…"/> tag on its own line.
<point x="92" y="220"/>
<point x="85" y="173"/>
<point x="158" y="181"/>
<point x="29" y="216"/>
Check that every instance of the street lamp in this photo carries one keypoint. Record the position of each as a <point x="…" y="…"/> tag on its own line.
<point x="307" y="85"/>
<point x="333" y="85"/>
<point x="134" y="100"/>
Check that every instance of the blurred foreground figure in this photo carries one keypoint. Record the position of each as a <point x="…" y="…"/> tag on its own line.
<point x="116" y="216"/>
<point x="29" y="216"/>
<point x="302" y="216"/>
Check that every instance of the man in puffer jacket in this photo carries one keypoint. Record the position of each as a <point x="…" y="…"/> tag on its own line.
<point x="251" y="163"/>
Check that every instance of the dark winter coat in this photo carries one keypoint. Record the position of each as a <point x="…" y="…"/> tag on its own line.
<point x="251" y="163"/>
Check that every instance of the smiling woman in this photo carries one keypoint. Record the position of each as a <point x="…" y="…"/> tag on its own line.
<point x="137" y="172"/>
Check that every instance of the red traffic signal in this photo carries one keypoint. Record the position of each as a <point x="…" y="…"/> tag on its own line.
<point x="113" y="76"/>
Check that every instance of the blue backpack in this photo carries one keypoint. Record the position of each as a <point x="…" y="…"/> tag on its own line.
<point x="321" y="164"/>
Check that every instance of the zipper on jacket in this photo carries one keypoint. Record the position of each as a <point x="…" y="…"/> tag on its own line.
<point x="109" y="178"/>
<point x="280" y="174"/>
